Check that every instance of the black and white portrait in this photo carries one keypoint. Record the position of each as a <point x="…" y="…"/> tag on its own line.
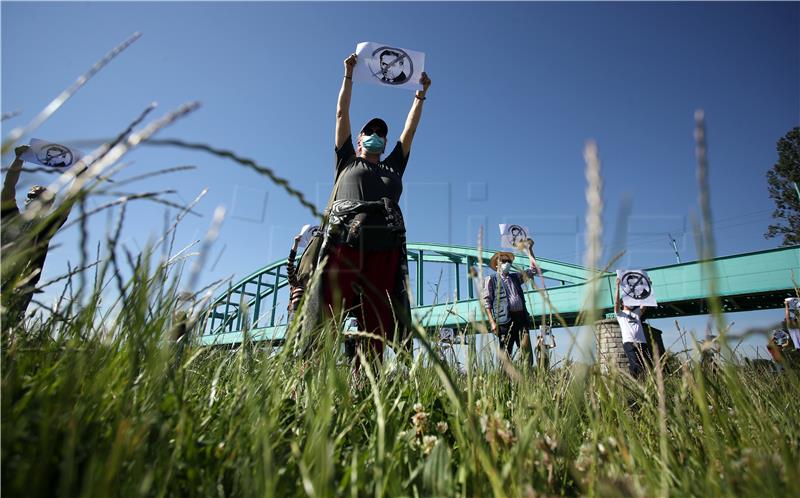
<point x="392" y="66"/>
<point x="636" y="288"/>
<point x="513" y="236"/>
<point x="636" y="285"/>
<point x="56" y="156"/>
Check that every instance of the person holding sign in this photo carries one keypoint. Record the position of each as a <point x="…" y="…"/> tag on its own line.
<point x="792" y="305"/>
<point x="505" y="302"/>
<point x="634" y="341"/>
<point x="25" y="239"/>
<point x="545" y="341"/>
<point x="364" y="237"/>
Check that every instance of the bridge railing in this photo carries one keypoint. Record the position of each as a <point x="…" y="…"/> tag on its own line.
<point x="748" y="281"/>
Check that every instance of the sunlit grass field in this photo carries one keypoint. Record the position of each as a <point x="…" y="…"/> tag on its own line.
<point x="129" y="413"/>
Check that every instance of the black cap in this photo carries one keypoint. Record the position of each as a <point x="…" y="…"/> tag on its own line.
<point x="379" y="123"/>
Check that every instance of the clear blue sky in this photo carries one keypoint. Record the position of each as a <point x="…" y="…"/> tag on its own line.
<point x="517" y="90"/>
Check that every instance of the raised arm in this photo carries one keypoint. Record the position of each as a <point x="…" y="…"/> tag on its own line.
<point x="343" y="105"/>
<point x="533" y="264"/>
<point x="9" y="194"/>
<point x="616" y="298"/>
<point x="412" y="121"/>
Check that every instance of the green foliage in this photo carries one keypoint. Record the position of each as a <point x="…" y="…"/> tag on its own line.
<point x="784" y="180"/>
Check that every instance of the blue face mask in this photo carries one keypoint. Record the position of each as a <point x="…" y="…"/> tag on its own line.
<point x="373" y="144"/>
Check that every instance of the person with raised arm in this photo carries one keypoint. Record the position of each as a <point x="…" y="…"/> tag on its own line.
<point x="634" y="342"/>
<point x="504" y="301"/>
<point x="25" y="240"/>
<point x="364" y="242"/>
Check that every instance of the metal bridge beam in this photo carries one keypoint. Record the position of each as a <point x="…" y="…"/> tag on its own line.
<point x="420" y="278"/>
<point x="257" y="307"/>
<point x="275" y="296"/>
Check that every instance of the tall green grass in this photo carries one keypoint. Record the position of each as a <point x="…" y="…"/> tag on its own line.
<point x="129" y="413"/>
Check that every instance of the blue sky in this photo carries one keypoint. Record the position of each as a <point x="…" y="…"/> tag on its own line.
<point x="517" y="90"/>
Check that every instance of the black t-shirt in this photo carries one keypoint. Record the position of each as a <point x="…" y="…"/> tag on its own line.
<point x="362" y="180"/>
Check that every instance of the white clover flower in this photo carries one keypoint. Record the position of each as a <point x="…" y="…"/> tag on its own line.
<point x="428" y="442"/>
<point x="418" y="407"/>
<point x="419" y="420"/>
<point x="441" y="427"/>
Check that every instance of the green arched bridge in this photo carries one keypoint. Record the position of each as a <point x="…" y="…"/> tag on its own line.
<point x="745" y="282"/>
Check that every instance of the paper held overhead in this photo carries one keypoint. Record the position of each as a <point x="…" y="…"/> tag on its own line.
<point x="513" y="236"/>
<point x="307" y="232"/>
<point x="636" y="288"/>
<point x="387" y="65"/>
<point x="51" y="154"/>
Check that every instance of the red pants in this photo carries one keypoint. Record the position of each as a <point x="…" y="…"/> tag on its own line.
<point x="362" y="283"/>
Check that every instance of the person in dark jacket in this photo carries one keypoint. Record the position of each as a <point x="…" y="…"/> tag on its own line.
<point x="364" y="237"/>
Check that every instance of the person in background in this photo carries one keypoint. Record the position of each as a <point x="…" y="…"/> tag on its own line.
<point x="783" y="344"/>
<point x="782" y="349"/>
<point x="792" y="321"/>
<point x="504" y="301"/>
<point x="25" y="240"/>
<point x="634" y="342"/>
<point x="545" y="341"/>
<point x="296" y="288"/>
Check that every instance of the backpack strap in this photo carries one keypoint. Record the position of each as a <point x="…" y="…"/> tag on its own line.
<point x="332" y="198"/>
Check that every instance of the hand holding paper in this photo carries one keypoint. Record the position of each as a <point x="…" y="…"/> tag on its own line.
<point x="306" y="233"/>
<point x="349" y="64"/>
<point x="514" y="236"/>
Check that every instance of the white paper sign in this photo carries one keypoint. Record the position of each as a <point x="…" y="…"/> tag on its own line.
<point x="513" y="236"/>
<point x="387" y="65"/>
<point x="636" y="288"/>
<point x="350" y="324"/>
<point x="307" y="232"/>
<point x="446" y="334"/>
<point x="51" y="154"/>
